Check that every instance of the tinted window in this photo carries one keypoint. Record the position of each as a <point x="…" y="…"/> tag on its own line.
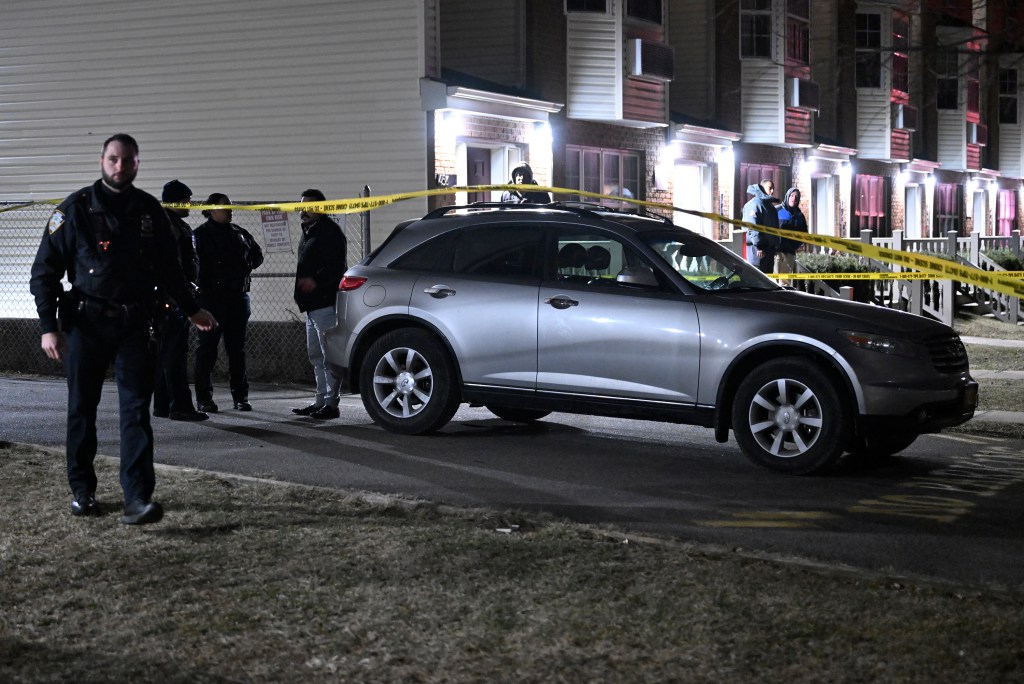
<point x="434" y="255"/>
<point x="595" y="260"/>
<point x="499" y="251"/>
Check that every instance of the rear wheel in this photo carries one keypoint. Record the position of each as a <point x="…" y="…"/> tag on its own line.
<point x="517" y="415"/>
<point x="408" y="383"/>
<point x="788" y="415"/>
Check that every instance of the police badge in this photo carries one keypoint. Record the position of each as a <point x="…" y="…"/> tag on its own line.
<point x="56" y="221"/>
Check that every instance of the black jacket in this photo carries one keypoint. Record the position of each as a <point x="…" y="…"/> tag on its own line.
<point x="322" y="257"/>
<point x="227" y="255"/>
<point x="182" y="233"/>
<point x="113" y="247"/>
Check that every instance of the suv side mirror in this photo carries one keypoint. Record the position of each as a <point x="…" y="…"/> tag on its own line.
<point x="637" y="275"/>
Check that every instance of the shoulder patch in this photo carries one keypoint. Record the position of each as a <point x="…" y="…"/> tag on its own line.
<point x="56" y="221"/>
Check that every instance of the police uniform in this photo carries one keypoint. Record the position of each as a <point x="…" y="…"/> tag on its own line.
<point x="118" y="252"/>
<point x="227" y="254"/>
<point x="172" y="396"/>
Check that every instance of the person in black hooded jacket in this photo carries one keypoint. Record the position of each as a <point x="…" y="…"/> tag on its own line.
<point x="790" y="218"/>
<point x="523" y="175"/>
<point x="322" y="260"/>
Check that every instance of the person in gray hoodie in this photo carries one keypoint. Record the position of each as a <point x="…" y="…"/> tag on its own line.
<point x="762" y="247"/>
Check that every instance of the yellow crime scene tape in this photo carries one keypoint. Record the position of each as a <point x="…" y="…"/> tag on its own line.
<point x="929" y="267"/>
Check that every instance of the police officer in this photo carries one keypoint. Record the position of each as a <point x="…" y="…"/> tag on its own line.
<point x="172" y="397"/>
<point x="227" y="255"/>
<point x="114" y="243"/>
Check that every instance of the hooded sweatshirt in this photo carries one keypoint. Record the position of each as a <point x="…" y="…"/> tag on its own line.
<point x="791" y="218"/>
<point x="761" y="210"/>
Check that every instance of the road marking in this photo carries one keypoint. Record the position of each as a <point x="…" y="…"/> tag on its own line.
<point x="770" y="519"/>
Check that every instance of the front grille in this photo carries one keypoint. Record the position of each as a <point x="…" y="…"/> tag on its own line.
<point x="947" y="353"/>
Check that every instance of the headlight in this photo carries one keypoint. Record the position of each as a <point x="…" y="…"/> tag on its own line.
<point x="883" y="344"/>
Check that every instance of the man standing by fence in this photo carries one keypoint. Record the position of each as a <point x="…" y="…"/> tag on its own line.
<point x="321" y="264"/>
<point x="114" y="243"/>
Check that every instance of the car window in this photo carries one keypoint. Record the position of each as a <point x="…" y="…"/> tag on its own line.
<point x="433" y="255"/>
<point x="508" y="251"/>
<point x="706" y="265"/>
<point x="596" y="260"/>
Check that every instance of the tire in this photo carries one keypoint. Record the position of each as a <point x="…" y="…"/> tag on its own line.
<point x="877" y="447"/>
<point x="408" y="383"/>
<point x="517" y="415"/>
<point x="788" y="415"/>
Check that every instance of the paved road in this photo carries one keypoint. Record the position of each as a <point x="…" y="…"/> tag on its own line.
<point x="950" y="507"/>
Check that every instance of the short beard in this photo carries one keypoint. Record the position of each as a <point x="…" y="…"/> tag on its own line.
<point x="118" y="186"/>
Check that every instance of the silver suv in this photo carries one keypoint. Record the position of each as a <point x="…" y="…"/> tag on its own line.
<point x="576" y="308"/>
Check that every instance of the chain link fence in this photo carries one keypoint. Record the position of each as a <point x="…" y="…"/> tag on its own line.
<point x="276" y="345"/>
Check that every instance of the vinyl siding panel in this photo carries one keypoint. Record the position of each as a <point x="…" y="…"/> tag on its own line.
<point x="485" y="42"/>
<point x="952" y="136"/>
<point x="594" y="63"/>
<point x="762" y="111"/>
<point x="1011" y="150"/>
<point x="691" y="29"/>
<point x="874" y="123"/>
<point x="259" y="103"/>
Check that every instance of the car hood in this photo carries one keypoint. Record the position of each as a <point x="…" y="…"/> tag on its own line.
<point x="799" y="307"/>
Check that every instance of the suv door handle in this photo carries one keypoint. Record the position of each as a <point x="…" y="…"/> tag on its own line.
<point x="439" y="291"/>
<point x="561" y="302"/>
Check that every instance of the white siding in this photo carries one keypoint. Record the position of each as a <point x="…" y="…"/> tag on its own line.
<point x="763" y="116"/>
<point x="1011" y="149"/>
<point x="486" y="42"/>
<point x="594" y="62"/>
<point x="259" y="103"/>
<point x="691" y="29"/>
<point x="874" y="123"/>
<point x="952" y="132"/>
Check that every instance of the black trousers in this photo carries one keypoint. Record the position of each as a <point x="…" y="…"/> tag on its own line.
<point x="96" y="341"/>
<point x="232" y="314"/>
<point x="172" y="393"/>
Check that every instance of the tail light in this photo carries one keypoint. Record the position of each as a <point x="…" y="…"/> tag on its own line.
<point x="351" y="283"/>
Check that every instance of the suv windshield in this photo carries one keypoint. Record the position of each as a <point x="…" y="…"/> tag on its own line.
<point x="706" y="265"/>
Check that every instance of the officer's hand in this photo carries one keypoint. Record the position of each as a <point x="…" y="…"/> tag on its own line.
<point x="203" y="320"/>
<point x="54" y="344"/>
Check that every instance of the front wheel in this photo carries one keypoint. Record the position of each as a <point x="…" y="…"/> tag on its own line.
<point x="408" y="383"/>
<point x="789" y="416"/>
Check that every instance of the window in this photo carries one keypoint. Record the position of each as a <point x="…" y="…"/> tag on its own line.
<point x="586" y="6"/>
<point x="508" y="252"/>
<point x="947" y="209"/>
<point x="1008" y="96"/>
<point x="973" y="73"/>
<point x="606" y="172"/>
<point x="756" y="28"/>
<point x="648" y="10"/>
<point x="797" y="32"/>
<point x="593" y="260"/>
<point x="900" y="52"/>
<point x="868" y="36"/>
<point x="1006" y="212"/>
<point x="869" y="210"/>
<point x="947" y="80"/>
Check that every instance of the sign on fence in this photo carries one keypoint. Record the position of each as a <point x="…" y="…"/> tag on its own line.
<point x="276" y="235"/>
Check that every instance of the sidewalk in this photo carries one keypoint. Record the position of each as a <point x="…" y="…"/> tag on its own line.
<point x="982" y="374"/>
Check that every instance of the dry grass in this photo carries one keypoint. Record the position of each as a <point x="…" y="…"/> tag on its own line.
<point x="248" y="581"/>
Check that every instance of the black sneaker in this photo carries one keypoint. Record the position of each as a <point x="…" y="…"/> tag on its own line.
<point x="307" y="410"/>
<point x="207" y="406"/>
<point x="243" y="406"/>
<point x="189" y="415"/>
<point x="142" y="513"/>
<point x="326" y="413"/>
<point x="84" y="504"/>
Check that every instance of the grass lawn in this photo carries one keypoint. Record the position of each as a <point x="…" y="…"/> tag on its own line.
<point x="248" y="581"/>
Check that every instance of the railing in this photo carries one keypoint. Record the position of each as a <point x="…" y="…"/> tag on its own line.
<point x="933" y="297"/>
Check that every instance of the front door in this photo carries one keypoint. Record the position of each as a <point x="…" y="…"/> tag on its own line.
<point x="478" y="168"/>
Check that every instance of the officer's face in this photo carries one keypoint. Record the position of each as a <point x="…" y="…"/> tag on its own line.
<point x="221" y="215"/>
<point x="119" y="164"/>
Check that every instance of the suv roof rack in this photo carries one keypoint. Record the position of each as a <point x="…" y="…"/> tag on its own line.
<point x="576" y="207"/>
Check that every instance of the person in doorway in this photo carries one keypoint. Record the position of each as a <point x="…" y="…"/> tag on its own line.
<point x="760" y="210"/>
<point x="790" y="218"/>
<point x="114" y="243"/>
<point x="321" y="264"/>
<point x="523" y="175"/>
<point x="172" y="397"/>
<point x="227" y="255"/>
